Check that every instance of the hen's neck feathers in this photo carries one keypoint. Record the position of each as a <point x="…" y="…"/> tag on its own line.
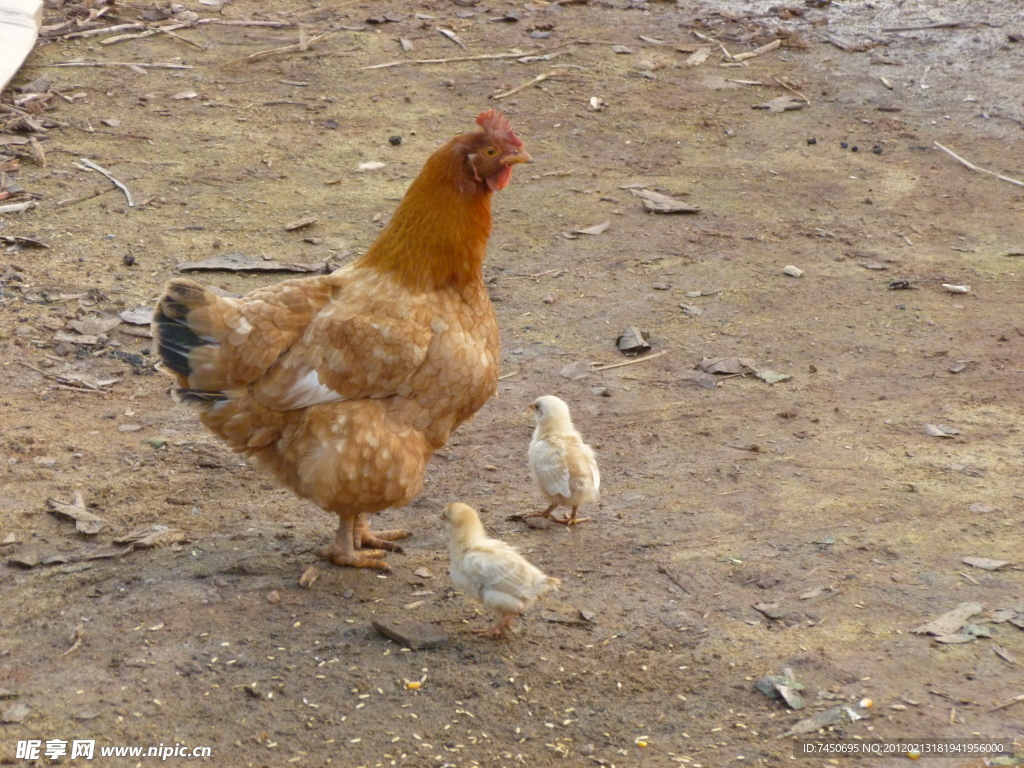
<point x="438" y="235"/>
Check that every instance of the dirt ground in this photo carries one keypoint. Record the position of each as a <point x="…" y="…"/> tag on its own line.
<point x="820" y="499"/>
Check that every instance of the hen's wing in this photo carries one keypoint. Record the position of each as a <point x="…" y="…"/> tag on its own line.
<point x="343" y="355"/>
<point x="549" y="465"/>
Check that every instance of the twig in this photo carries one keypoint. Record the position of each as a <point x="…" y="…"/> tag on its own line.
<point x="675" y="579"/>
<point x="518" y="88"/>
<point x="453" y="37"/>
<point x="76" y="636"/>
<point x="300" y="46"/>
<point x="936" y="25"/>
<point x="630" y="362"/>
<point x="103" y="30"/>
<point x="482" y="57"/>
<point x="100" y="169"/>
<point x="243" y="23"/>
<point x="17" y="207"/>
<point x="973" y="167"/>
<point x="794" y="90"/>
<point x="725" y="51"/>
<point x="758" y="51"/>
<point x="118" y="64"/>
<point x="1008" y="703"/>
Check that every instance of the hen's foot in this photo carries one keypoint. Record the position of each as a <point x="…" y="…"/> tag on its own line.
<point x="382" y="539"/>
<point x="362" y="558"/>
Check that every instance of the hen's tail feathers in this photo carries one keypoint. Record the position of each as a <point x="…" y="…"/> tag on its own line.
<point x="175" y="339"/>
<point x="198" y="396"/>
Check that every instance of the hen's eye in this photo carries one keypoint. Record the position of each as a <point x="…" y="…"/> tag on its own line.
<point x="490" y="152"/>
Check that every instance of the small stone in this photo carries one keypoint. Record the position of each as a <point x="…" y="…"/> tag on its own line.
<point x="812" y="141"/>
<point x="853" y="148"/>
<point x="411" y="634"/>
<point x="14" y="714"/>
<point x="843" y="144"/>
<point x="394" y="141"/>
<point x="877" y="149"/>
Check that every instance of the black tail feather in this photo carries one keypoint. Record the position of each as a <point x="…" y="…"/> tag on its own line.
<point x="174" y="339"/>
<point x="198" y="396"/>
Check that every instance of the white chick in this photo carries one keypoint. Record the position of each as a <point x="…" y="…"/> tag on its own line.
<point x="491" y="571"/>
<point x="562" y="465"/>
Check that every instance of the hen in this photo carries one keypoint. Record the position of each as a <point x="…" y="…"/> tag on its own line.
<point x="562" y="465"/>
<point x="491" y="571"/>
<point x="343" y="385"/>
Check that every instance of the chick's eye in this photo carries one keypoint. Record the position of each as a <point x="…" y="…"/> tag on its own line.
<point x="490" y="152"/>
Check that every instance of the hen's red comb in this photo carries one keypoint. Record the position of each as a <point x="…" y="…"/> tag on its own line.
<point x="494" y="121"/>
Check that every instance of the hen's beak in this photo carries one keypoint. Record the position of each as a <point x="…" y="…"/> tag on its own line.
<point x="520" y="156"/>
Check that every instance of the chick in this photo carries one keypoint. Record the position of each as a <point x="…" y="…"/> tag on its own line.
<point x="562" y="465"/>
<point x="491" y="571"/>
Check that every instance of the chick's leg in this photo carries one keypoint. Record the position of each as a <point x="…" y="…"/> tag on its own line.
<point x="344" y="552"/>
<point x="499" y="629"/>
<point x="546" y="513"/>
<point x="364" y="537"/>
<point x="571" y="519"/>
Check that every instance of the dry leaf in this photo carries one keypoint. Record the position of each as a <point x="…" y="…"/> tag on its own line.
<point x="578" y="370"/>
<point x="949" y="623"/>
<point x="655" y="202"/>
<point x="597" y="229"/>
<point x="986" y="563"/>
<point x="698" y="57"/>
<point x="309" y="577"/>
<point x="300" y="223"/>
<point x="138" y="316"/>
<point x="154" y="536"/>
<point x="85" y="522"/>
<point x="240" y="262"/>
<point x="782" y="104"/>
<point x="632" y="340"/>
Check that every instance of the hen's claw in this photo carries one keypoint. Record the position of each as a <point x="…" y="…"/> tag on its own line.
<point x="382" y="539"/>
<point x="360" y="558"/>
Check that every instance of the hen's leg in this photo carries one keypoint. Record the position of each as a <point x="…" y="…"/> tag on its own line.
<point x="364" y="537"/>
<point x="343" y="551"/>
<point x="546" y="513"/>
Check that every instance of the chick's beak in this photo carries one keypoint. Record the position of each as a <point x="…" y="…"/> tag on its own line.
<point x="517" y="156"/>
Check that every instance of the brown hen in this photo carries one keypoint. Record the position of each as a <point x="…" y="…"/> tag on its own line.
<point x="342" y="386"/>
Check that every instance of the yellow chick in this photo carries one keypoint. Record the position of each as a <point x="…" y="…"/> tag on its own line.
<point x="562" y="465"/>
<point x="491" y="571"/>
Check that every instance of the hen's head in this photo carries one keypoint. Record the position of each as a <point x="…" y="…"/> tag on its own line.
<point x="491" y="153"/>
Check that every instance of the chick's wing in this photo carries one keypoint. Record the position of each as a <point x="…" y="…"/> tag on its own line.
<point x="548" y="461"/>
<point x="497" y="567"/>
